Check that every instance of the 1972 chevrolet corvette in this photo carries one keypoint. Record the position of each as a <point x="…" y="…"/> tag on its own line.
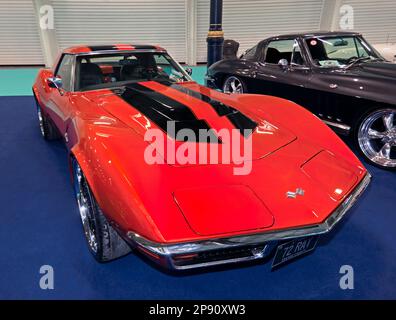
<point x="102" y="101"/>
<point x="338" y="76"/>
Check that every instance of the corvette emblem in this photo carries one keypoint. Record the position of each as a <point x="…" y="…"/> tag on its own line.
<point x="293" y="195"/>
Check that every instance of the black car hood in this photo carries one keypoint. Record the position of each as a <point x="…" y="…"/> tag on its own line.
<point x="379" y="69"/>
<point x="374" y="81"/>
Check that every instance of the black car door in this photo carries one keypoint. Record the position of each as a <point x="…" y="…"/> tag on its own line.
<point x="282" y="70"/>
<point x="332" y="89"/>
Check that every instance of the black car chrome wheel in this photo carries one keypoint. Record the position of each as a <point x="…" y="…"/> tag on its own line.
<point x="103" y="241"/>
<point x="233" y="85"/>
<point x="376" y="137"/>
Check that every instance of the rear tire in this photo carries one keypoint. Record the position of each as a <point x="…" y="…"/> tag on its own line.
<point x="47" y="128"/>
<point x="375" y="137"/>
<point x="103" y="241"/>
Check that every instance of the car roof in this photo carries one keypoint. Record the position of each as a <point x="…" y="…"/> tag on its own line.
<point x="113" y="47"/>
<point x="317" y="34"/>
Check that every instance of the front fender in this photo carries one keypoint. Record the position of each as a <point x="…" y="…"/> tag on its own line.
<point x="112" y="188"/>
<point x="236" y="67"/>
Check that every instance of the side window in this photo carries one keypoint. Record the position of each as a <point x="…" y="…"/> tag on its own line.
<point x="249" y="54"/>
<point x="279" y="49"/>
<point x="64" y="71"/>
<point x="165" y="68"/>
<point x="163" y="65"/>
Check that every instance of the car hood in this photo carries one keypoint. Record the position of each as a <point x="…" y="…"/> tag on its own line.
<point x="295" y="198"/>
<point x="373" y="81"/>
<point x="301" y="172"/>
<point x="145" y="106"/>
<point x="378" y="69"/>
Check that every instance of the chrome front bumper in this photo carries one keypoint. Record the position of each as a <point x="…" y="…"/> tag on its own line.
<point x="189" y="255"/>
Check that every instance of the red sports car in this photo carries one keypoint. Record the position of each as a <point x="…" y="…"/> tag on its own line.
<point x="106" y="101"/>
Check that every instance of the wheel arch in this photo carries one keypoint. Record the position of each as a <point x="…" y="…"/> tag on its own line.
<point x="369" y="107"/>
<point x="141" y="223"/>
<point x="242" y="69"/>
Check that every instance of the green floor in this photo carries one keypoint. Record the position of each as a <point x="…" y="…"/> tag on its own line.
<point x="18" y="81"/>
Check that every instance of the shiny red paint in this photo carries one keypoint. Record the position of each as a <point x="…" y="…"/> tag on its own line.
<point x="169" y="203"/>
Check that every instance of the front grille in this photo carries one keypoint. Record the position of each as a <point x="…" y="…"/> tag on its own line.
<point x="213" y="256"/>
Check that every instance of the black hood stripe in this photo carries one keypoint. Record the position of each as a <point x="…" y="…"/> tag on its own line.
<point x="161" y="109"/>
<point x="237" y="118"/>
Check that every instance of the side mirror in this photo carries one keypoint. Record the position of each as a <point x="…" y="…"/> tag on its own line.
<point x="189" y="71"/>
<point x="283" y="64"/>
<point x="54" y="82"/>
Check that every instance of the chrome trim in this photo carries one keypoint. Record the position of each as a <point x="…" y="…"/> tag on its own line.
<point x="55" y="81"/>
<point x="264" y="253"/>
<point x="341" y="126"/>
<point x="167" y="251"/>
<point x="73" y="75"/>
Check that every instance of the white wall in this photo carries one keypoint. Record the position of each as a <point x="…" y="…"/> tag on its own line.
<point x="19" y="34"/>
<point x="122" y="21"/>
<point x="375" y="19"/>
<point x="178" y="25"/>
<point x="250" y="21"/>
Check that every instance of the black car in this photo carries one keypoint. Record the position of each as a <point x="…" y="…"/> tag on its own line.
<point x="338" y="76"/>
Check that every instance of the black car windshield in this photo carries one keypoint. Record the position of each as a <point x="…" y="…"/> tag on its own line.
<point x="99" y="71"/>
<point x="340" y="51"/>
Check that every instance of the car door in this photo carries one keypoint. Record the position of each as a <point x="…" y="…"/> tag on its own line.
<point x="58" y="105"/>
<point x="331" y="88"/>
<point x="283" y="70"/>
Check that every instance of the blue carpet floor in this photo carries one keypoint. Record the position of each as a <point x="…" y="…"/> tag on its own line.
<point x="39" y="225"/>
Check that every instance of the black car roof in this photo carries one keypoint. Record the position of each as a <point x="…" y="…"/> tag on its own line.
<point x="317" y="34"/>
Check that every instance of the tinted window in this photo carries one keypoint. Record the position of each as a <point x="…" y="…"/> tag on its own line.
<point x="64" y="71"/>
<point x="279" y="49"/>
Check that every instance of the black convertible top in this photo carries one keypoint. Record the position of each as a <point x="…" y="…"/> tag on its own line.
<point x="317" y="34"/>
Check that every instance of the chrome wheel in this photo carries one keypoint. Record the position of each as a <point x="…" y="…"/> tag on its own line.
<point x="233" y="85"/>
<point x="377" y="137"/>
<point x="85" y="206"/>
<point x="41" y="121"/>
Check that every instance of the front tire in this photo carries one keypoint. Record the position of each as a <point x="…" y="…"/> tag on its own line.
<point x="234" y="84"/>
<point x="375" y="136"/>
<point x="103" y="241"/>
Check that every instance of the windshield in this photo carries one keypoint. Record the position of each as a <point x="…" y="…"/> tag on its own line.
<point x="113" y="70"/>
<point x="338" y="51"/>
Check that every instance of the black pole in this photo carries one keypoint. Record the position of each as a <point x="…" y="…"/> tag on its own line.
<point x="215" y="37"/>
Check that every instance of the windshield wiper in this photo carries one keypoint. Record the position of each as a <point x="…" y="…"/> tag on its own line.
<point x="361" y="59"/>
